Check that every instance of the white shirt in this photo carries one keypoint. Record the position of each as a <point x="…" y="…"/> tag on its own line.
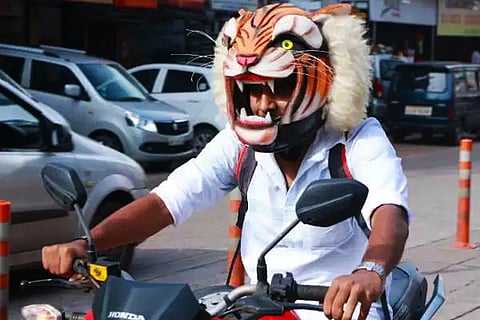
<point x="314" y="255"/>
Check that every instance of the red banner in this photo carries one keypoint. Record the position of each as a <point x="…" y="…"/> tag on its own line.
<point x="199" y="4"/>
<point x="153" y="4"/>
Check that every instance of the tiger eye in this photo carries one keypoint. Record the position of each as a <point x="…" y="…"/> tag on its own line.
<point x="287" y="44"/>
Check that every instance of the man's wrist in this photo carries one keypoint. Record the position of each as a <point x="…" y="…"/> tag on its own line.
<point x="83" y="239"/>
<point x="373" y="267"/>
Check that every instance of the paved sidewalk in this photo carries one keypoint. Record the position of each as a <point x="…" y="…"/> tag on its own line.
<point x="460" y="271"/>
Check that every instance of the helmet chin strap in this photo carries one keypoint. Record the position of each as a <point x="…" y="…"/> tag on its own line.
<point x="294" y="153"/>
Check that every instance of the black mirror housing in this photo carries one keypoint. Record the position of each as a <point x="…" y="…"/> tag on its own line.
<point x="330" y="201"/>
<point x="63" y="185"/>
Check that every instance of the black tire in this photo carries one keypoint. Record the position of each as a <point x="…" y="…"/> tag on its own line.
<point x="109" y="140"/>
<point x="397" y="137"/>
<point x="202" y="136"/>
<point x="123" y="254"/>
<point x="455" y="134"/>
<point x="427" y="137"/>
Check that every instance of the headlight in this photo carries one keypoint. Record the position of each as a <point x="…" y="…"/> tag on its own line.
<point x="134" y="120"/>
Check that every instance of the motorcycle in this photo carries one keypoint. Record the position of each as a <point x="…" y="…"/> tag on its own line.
<point x="118" y="296"/>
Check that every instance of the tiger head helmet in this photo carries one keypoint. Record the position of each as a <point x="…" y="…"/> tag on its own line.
<point x="282" y="72"/>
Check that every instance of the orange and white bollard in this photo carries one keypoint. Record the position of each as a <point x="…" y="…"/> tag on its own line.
<point x="4" y="252"/>
<point x="463" y="214"/>
<point x="237" y="277"/>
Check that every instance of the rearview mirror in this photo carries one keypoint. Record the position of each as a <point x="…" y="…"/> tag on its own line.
<point x="63" y="185"/>
<point x="73" y="90"/>
<point x="60" y="138"/>
<point x="330" y="201"/>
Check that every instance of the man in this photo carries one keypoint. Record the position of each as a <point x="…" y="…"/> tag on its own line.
<point x="475" y="57"/>
<point x="294" y="84"/>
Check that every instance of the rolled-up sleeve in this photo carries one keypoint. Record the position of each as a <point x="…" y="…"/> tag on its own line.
<point x="373" y="161"/>
<point x="200" y="182"/>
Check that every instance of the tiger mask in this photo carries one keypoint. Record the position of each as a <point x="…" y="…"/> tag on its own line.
<point x="281" y="72"/>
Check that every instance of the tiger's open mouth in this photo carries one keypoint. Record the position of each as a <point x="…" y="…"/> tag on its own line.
<point x="240" y="89"/>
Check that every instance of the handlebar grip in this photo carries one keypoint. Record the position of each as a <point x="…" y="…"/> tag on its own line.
<point x="79" y="266"/>
<point x="314" y="293"/>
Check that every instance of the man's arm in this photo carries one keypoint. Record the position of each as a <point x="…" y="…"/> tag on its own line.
<point x="389" y="234"/>
<point x="385" y="247"/>
<point x="134" y="222"/>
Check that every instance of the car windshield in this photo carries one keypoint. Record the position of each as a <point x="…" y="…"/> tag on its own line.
<point x="12" y="113"/>
<point x="387" y="68"/>
<point x="113" y="83"/>
<point x="420" y="80"/>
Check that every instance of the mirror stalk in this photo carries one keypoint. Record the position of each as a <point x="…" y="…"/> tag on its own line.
<point x="91" y="252"/>
<point x="261" y="264"/>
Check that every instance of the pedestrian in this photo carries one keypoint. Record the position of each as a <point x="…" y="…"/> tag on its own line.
<point x="290" y="96"/>
<point x="475" y="57"/>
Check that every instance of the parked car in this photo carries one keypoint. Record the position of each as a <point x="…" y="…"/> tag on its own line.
<point x="434" y="97"/>
<point x="101" y="100"/>
<point x="383" y="68"/>
<point x="188" y="87"/>
<point x="33" y="135"/>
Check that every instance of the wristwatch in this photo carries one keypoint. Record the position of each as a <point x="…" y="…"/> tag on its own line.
<point x="372" y="266"/>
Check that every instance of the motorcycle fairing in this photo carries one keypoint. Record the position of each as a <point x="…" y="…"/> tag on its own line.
<point x="132" y="300"/>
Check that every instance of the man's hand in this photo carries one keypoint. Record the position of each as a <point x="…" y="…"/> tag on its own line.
<point x="347" y="291"/>
<point x="58" y="258"/>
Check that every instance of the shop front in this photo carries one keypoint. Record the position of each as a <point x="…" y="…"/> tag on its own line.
<point x="404" y="27"/>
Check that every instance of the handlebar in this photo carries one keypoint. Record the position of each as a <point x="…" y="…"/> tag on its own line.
<point x="313" y="293"/>
<point x="283" y="289"/>
<point x="80" y="266"/>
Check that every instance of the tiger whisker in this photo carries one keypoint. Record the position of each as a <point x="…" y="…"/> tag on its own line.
<point x="196" y="57"/>
<point x="312" y="64"/>
<point x="310" y="51"/>
<point x="202" y="33"/>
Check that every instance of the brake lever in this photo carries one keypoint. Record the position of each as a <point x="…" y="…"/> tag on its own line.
<point x="62" y="283"/>
<point x="86" y="284"/>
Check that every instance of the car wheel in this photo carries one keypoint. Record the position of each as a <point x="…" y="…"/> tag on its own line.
<point x="456" y="134"/>
<point x="427" y="137"/>
<point x="123" y="254"/>
<point x="201" y="136"/>
<point x="108" y="140"/>
<point x="397" y="136"/>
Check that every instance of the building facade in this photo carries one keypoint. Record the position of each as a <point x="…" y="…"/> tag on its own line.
<point x="142" y="31"/>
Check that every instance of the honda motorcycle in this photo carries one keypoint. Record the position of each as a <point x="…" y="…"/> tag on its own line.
<point x="118" y="296"/>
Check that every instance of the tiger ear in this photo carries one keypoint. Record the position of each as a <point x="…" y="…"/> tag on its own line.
<point x="339" y="9"/>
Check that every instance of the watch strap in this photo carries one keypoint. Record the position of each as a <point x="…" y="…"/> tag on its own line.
<point x="372" y="266"/>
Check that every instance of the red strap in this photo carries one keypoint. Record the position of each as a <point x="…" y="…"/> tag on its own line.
<point x="345" y="164"/>
<point x="241" y="156"/>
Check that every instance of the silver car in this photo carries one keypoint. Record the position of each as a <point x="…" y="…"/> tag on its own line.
<point x="101" y="100"/>
<point x="32" y="135"/>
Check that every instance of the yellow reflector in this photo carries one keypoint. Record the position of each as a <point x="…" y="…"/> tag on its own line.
<point x="98" y="272"/>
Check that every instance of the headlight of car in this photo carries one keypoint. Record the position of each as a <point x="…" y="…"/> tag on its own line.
<point x="135" y="120"/>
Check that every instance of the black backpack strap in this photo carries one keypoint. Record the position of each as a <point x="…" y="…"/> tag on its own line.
<point x="337" y="162"/>
<point x="338" y="167"/>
